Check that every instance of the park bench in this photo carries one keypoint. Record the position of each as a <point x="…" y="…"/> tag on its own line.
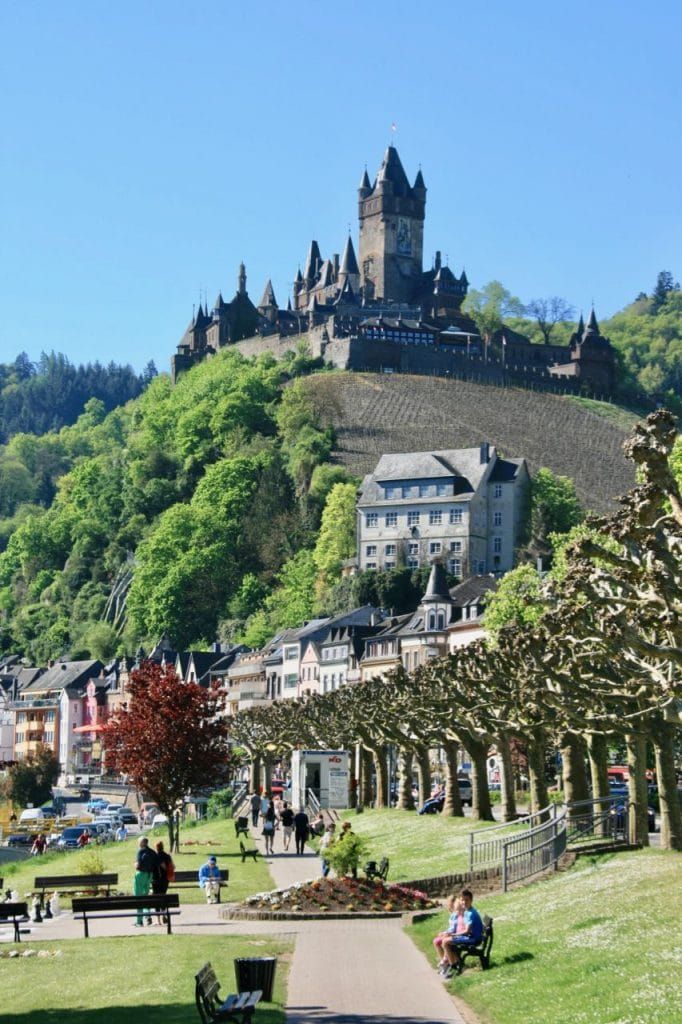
<point x="190" y="880"/>
<point x="241" y="827"/>
<point x="482" y="949"/>
<point x="238" y="1008"/>
<point x="247" y="853"/>
<point x="372" y="871"/>
<point x="72" y="883"/>
<point x="18" y="914"/>
<point x="89" y="907"/>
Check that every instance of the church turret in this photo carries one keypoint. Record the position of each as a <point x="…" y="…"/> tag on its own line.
<point x="436" y="603"/>
<point x="241" y="285"/>
<point x="365" y="186"/>
<point x="268" y="304"/>
<point x="419" y="188"/>
<point x="349" y="272"/>
<point x="312" y="265"/>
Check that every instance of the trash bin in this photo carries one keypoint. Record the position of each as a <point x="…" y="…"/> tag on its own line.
<point x="256" y="972"/>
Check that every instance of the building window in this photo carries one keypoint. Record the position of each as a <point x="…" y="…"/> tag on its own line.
<point x="291" y="652"/>
<point x="497" y="491"/>
<point x="412" y="563"/>
<point x="389" y="565"/>
<point x="371" y="550"/>
<point x="389" y="549"/>
<point x="413" y="548"/>
<point x="372" y="519"/>
<point x="497" y="519"/>
<point x="411" y="492"/>
<point x="455" y="566"/>
<point x="290" y="680"/>
<point x="434" y="547"/>
<point x="456" y="514"/>
<point x="481" y="567"/>
<point x="370" y="565"/>
<point x="456" y="546"/>
<point x="393" y="492"/>
<point x="497" y="545"/>
<point x="442" y="490"/>
<point x="435" y="517"/>
<point x="391" y="519"/>
<point x="424" y="490"/>
<point x="413" y="519"/>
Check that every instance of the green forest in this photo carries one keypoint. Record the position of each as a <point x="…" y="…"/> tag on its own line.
<point x="210" y="508"/>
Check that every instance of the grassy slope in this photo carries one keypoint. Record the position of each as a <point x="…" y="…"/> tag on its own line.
<point x="374" y="413"/>
<point x="599" y="944"/>
<point x="245" y="879"/>
<point x="105" y="980"/>
<point x="417" y="846"/>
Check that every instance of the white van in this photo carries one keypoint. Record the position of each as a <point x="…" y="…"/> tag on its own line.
<point x="32" y="816"/>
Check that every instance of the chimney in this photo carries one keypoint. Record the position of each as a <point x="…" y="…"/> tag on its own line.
<point x="437" y="260"/>
<point x="485" y="452"/>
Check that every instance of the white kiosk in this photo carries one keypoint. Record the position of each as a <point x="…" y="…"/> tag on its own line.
<point x="325" y="772"/>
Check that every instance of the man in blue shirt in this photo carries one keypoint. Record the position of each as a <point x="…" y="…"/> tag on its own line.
<point x="209" y="880"/>
<point x="471" y="937"/>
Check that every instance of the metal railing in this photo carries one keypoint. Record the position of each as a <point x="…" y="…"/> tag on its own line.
<point x="239" y="799"/>
<point x="604" y="818"/>
<point x="485" y="845"/>
<point x="313" y="803"/>
<point x="535" y="851"/>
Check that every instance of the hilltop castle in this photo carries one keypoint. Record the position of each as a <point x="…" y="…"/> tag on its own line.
<point x="383" y="311"/>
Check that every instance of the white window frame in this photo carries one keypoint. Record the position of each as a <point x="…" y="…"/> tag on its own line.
<point x="456" y="515"/>
<point x="371" y="520"/>
<point x="436" y="517"/>
<point x="391" y="520"/>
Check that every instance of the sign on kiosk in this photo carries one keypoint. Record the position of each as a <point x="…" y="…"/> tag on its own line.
<point x="325" y="773"/>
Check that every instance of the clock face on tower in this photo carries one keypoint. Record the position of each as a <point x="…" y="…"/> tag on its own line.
<point x="404" y="237"/>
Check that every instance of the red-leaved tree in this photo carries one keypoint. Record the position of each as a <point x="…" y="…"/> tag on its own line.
<point x="169" y="740"/>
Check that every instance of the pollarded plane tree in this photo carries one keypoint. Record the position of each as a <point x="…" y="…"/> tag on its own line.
<point x="634" y="627"/>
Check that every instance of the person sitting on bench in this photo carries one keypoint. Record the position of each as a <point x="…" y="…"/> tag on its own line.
<point x="471" y="937"/>
<point x="456" y="926"/>
<point x="209" y="879"/>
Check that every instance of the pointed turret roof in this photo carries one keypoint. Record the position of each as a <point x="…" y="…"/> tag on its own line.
<point x="347" y="294"/>
<point x="349" y="264"/>
<point x="392" y="170"/>
<point x="581" y="327"/>
<point x="299" y="276"/>
<point x="592" y="325"/>
<point x="312" y="261"/>
<point x="219" y="302"/>
<point x="419" y="180"/>
<point x="437" y="587"/>
<point x="464" y="279"/>
<point x="268" y="296"/>
<point x="365" y="182"/>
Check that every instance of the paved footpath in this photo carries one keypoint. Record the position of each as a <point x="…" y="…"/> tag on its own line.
<point x="356" y="972"/>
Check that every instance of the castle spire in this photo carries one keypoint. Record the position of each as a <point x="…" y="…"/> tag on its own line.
<point x="241" y="289"/>
<point x="313" y="262"/>
<point x="268" y="299"/>
<point x="349" y="264"/>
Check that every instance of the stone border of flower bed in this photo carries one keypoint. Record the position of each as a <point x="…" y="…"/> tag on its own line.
<point x="241" y="914"/>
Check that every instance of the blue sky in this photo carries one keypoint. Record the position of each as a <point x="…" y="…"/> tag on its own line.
<point x="148" y="147"/>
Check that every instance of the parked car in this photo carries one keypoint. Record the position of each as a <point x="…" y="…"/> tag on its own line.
<point x="127" y="816"/>
<point x="32" y="816"/>
<point x="97" y="804"/>
<point x="434" y="805"/>
<point x="619" y="811"/>
<point x="20" y="838"/>
<point x="70" y="836"/>
<point x="159" y="819"/>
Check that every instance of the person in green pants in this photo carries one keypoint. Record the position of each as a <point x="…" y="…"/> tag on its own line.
<point x="146" y="866"/>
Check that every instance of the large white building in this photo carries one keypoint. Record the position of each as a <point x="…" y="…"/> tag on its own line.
<point x="464" y="507"/>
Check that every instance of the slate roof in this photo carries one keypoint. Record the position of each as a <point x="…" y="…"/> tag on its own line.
<point x="437" y="587"/>
<point x="64" y="674"/>
<point x="505" y="470"/>
<point x="473" y="590"/>
<point x="463" y="466"/>
<point x="392" y="170"/>
<point x="268" y="296"/>
<point x="349" y="264"/>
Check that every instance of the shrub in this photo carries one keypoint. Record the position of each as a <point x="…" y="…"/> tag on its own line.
<point x="220" y="803"/>
<point x="346" y="853"/>
<point x="91" y="863"/>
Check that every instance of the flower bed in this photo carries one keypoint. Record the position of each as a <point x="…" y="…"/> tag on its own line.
<point x="333" y="896"/>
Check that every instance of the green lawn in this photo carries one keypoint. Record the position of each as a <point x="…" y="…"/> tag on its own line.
<point x="245" y="879"/>
<point x="418" y="846"/>
<point x="108" y="980"/>
<point x="599" y="944"/>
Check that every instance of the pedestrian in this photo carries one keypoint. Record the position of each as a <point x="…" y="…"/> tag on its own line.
<point x="265" y="803"/>
<point x="325" y="842"/>
<point x="269" y="830"/>
<point x="39" y="844"/>
<point x="146" y="866"/>
<point x="287" y="819"/>
<point x="121" y="833"/>
<point x="209" y="879"/>
<point x="318" y="826"/>
<point x="255" y="808"/>
<point x="164" y="875"/>
<point x="300" y="830"/>
<point x="84" y="838"/>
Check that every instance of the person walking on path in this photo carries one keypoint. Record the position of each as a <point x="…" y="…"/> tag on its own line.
<point x="164" y="875"/>
<point x="209" y="879"/>
<point x="255" y="808"/>
<point x="287" y="821"/>
<point x="265" y="804"/>
<point x="146" y="866"/>
<point x="325" y="842"/>
<point x="269" y="830"/>
<point x="301" y="824"/>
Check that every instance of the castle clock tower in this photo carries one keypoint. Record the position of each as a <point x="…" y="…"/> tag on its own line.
<point x="391" y="216"/>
